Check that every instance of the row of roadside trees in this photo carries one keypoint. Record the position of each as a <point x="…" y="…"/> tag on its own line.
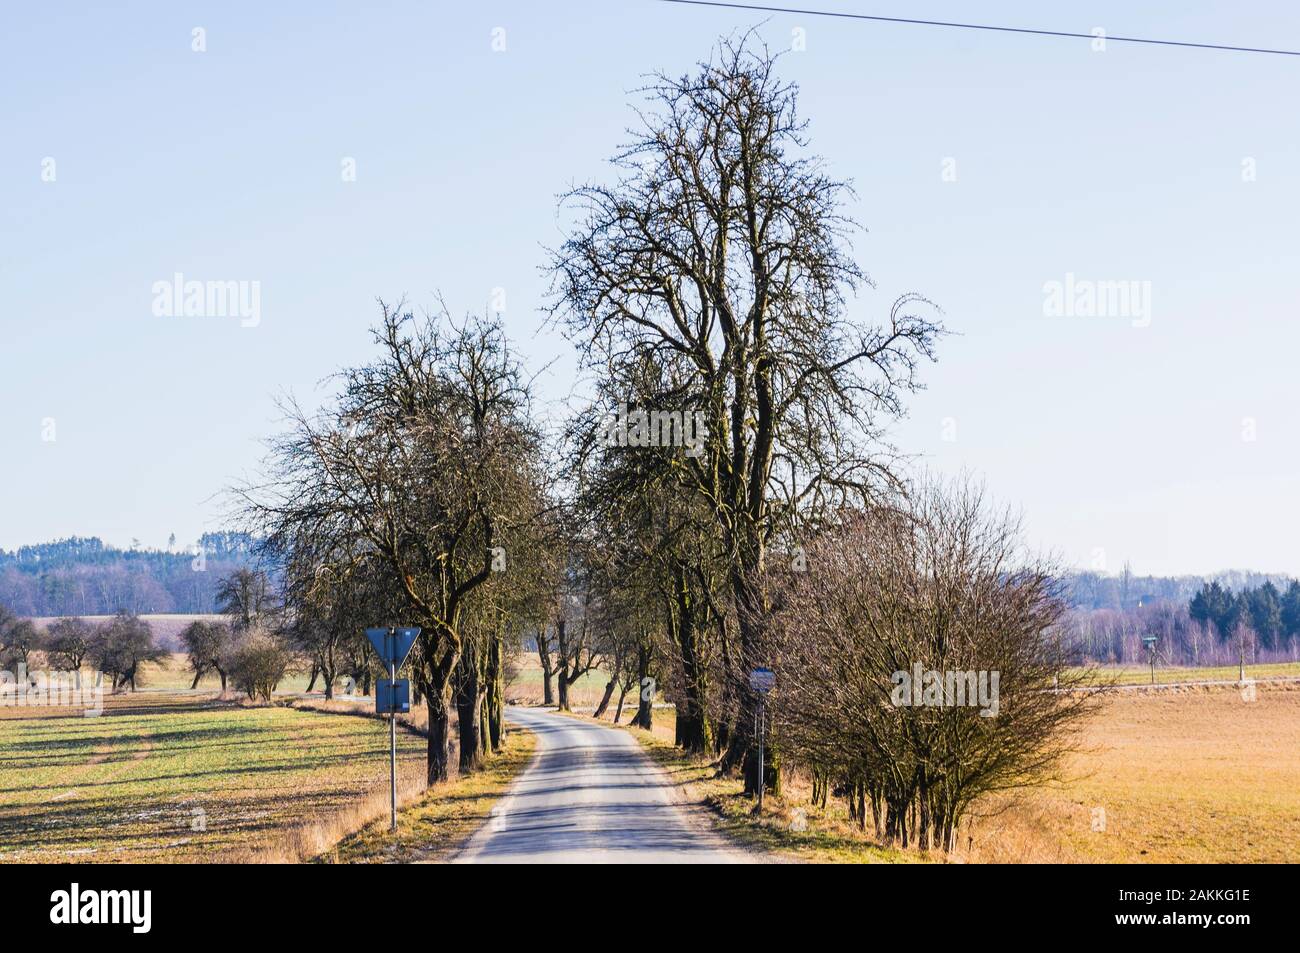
<point x="743" y="509"/>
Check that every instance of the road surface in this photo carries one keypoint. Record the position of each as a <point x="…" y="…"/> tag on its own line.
<point x="590" y="795"/>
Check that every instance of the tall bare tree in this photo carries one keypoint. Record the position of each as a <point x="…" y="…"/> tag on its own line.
<point x="722" y="248"/>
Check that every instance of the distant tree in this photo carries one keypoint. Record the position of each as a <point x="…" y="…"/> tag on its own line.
<point x="67" y="643"/>
<point x="1291" y="609"/>
<point x="121" y="647"/>
<point x="206" y="644"/>
<point x="19" y="639"/>
<point x="244" y="596"/>
<point x="1216" y="606"/>
<point x="1264" y="609"/>
<point x="258" y="662"/>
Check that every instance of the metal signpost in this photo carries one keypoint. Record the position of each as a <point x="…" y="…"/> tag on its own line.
<point x="761" y="681"/>
<point x="1150" y="642"/>
<point x="392" y="695"/>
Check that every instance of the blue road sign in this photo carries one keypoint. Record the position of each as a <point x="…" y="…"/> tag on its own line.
<point x="393" y="696"/>
<point x="395" y="647"/>
<point x="761" y="680"/>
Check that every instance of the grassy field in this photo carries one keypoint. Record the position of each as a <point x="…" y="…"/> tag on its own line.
<point x="1194" y="775"/>
<point x="178" y="778"/>
<point x="1165" y="675"/>
<point x="1177" y="775"/>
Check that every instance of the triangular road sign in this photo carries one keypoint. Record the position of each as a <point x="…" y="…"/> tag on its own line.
<point x="403" y="639"/>
<point x="393" y="649"/>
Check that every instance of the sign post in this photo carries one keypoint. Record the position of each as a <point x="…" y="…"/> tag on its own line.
<point x="392" y="695"/>
<point x="392" y="746"/>
<point x="1150" y="642"/>
<point x="761" y="681"/>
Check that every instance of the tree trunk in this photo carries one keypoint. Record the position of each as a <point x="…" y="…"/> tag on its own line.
<point x="562" y="650"/>
<point x="466" y="686"/>
<point x="439" y="725"/>
<point x="744" y="744"/>
<point x="645" y="697"/>
<point x="315" y="671"/>
<point x="693" y="731"/>
<point x="604" y="701"/>
<point x="193" y="685"/>
<point x="622" y="695"/>
<point x="497" y="692"/>
<point x="548" y="667"/>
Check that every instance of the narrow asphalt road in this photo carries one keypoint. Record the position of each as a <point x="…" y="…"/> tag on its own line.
<point x="590" y="795"/>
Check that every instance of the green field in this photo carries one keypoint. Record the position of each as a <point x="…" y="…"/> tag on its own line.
<point x="161" y="776"/>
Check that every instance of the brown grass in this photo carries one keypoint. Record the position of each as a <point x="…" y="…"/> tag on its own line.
<point x="1183" y="776"/>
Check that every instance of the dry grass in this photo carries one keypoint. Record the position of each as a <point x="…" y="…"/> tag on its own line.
<point x="438" y="823"/>
<point x="1183" y="776"/>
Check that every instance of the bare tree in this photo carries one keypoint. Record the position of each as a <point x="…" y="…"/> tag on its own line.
<point x="258" y="662"/>
<point x="18" y="641"/>
<point x="206" y="646"/>
<point x="245" y="596"/>
<point x="121" y="646"/>
<point x="723" y="250"/>
<point x="421" y="466"/>
<point x="67" y="644"/>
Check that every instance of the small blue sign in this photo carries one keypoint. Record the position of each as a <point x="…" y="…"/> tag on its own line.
<point x="393" y="696"/>
<point x="762" y="680"/>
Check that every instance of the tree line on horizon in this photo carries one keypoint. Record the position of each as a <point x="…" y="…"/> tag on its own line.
<point x="248" y="650"/>
<point x="1215" y="626"/>
<point x="83" y="576"/>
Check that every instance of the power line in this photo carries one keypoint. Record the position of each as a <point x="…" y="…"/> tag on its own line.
<point x="981" y="26"/>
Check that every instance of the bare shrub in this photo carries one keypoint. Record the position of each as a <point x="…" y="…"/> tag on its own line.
<point x="940" y="586"/>
<point x="257" y="663"/>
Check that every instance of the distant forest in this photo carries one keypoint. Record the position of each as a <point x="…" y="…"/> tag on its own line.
<point x="84" y="576"/>
<point x="1197" y="620"/>
<point x="1124" y="590"/>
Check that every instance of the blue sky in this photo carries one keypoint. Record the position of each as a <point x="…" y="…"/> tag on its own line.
<point x="1117" y="438"/>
